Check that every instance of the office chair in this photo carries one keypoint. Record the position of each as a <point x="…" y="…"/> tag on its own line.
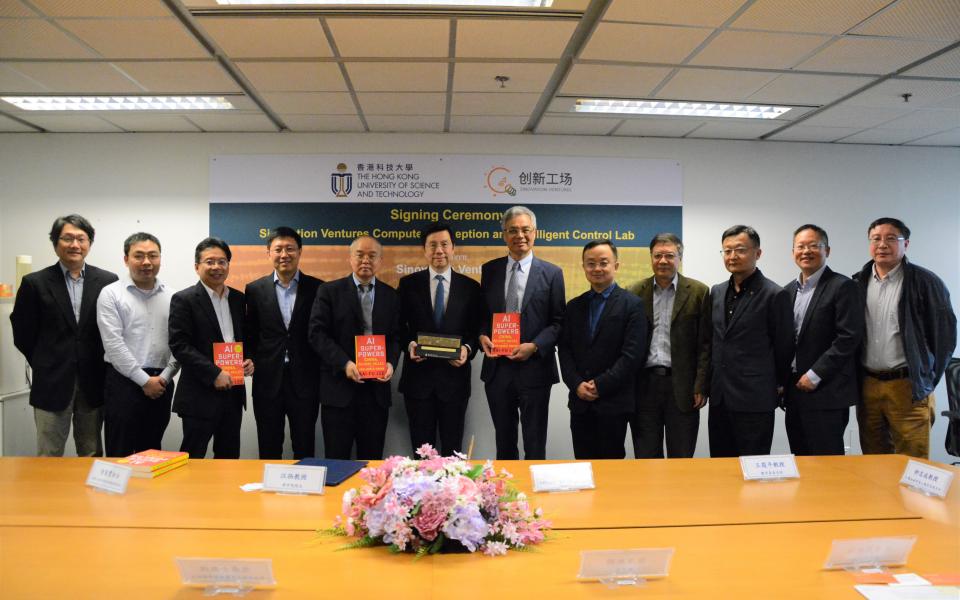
<point x="952" y="375"/>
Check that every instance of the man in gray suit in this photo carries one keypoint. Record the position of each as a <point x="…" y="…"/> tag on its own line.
<point x="521" y="381"/>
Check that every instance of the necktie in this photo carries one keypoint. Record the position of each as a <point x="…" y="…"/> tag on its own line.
<point x="366" y="306"/>
<point x="513" y="304"/>
<point x="438" y="299"/>
<point x="595" y="304"/>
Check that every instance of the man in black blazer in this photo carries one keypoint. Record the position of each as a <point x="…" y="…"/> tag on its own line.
<point x="286" y="384"/>
<point x="436" y="391"/>
<point x="352" y="409"/>
<point x="752" y="347"/>
<point x="602" y="345"/>
<point x="54" y="323"/>
<point x="828" y="324"/>
<point x="521" y="381"/>
<point x="200" y="316"/>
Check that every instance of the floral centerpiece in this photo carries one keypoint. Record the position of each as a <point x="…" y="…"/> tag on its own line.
<point x="439" y="504"/>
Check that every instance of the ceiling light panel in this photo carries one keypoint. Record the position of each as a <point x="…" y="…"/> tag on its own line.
<point x="110" y="103"/>
<point x="478" y="3"/>
<point x="679" y="109"/>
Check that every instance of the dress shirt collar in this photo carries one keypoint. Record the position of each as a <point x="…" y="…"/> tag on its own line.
<point x="128" y="283"/>
<point x="673" y="284"/>
<point x="357" y="283"/>
<point x="746" y="284"/>
<point x="525" y="263"/>
<point x="811" y="281"/>
<point x="892" y="275"/>
<point x="66" y="271"/>
<point x="213" y="295"/>
<point x="445" y="274"/>
<point x="605" y="293"/>
<point x="295" y="280"/>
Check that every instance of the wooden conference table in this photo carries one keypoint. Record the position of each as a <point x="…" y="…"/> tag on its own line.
<point x="732" y="539"/>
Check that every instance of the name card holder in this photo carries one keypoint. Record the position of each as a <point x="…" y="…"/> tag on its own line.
<point x="619" y="568"/>
<point x="294" y="479"/>
<point x="234" y="576"/>
<point x="564" y="477"/>
<point x="926" y="479"/>
<point x="772" y="467"/>
<point x="109" y="477"/>
<point x="869" y="553"/>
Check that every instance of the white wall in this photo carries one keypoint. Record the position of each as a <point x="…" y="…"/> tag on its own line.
<point x="159" y="183"/>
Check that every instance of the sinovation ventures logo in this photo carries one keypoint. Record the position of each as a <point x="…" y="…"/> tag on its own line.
<point x="341" y="183"/>
<point x="498" y="181"/>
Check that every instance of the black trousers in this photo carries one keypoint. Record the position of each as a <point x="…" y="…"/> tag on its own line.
<point x="816" y="432"/>
<point x="598" y="436"/>
<point x="132" y="421"/>
<point x="432" y="413"/>
<point x="364" y="422"/>
<point x="739" y="433"/>
<point x="223" y="427"/>
<point x="511" y="404"/>
<point x="271" y="414"/>
<point x="657" y="413"/>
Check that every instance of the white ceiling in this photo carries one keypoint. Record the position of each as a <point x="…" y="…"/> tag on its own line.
<point x="846" y="65"/>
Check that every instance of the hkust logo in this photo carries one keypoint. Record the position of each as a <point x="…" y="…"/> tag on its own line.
<point x="341" y="183"/>
<point x="498" y="182"/>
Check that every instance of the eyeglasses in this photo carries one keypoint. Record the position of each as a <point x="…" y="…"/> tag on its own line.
<point x="889" y="240"/>
<point x="805" y="247"/>
<point x="70" y="239"/>
<point x="665" y="255"/>
<point x="281" y="249"/>
<point x="739" y="251"/>
<point x="514" y="231"/>
<point x="590" y="265"/>
<point x="212" y="262"/>
<point x="153" y="256"/>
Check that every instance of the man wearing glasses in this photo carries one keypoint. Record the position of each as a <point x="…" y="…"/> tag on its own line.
<point x="752" y="348"/>
<point x="911" y="332"/>
<point x="207" y="400"/>
<point x="520" y="381"/>
<point x="55" y="327"/>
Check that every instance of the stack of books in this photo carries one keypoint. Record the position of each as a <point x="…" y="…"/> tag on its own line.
<point x="153" y="463"/>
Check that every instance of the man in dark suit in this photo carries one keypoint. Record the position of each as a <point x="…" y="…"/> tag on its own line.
<point x="209" y="404"/>
<point x="438" y="300"/>
<point x="674" y="377"/>
<point x="287" y="384"/>
<point x="353" y="409"/>
<point x="55" y="327"/>
<point x="602" y="344"/>
<point x="828" y="325"/>
<point x="752" y="347"/>
<point x="521" y="380"/>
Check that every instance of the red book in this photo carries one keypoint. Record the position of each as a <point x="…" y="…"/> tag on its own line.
<point x="149" y="461"/>
<point x="371" y="355"/>
<point x="505" y="333"/>
<point x="229" y="357"/>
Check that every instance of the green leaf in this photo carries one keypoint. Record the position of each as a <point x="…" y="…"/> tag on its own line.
<point x="474" y="472"/>
<point x="437" y="544"/>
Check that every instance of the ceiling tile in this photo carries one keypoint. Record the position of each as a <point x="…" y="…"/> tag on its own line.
<point x="409" y="124"/>
<point x="677" y="12"/>
<point x="232" y="122"/>
<point x="136" y="38"/>
<point x="717" y="85"/>
<point x="180" y="77"/>
<point x="755" y="49"/>
<point x="311" y="103"/>
<point x="735" y="129"/>
<point x="613" y="80"/>
<point x="11" y="126"/>
<point x="506" y="104"/>
<point x="813" y="133"/>
<point x="71" y="123"/>
<point x="417" y="104"/>
<point x="148" y="122"/>
<point x="642" y="43"/>
<point x="577" y="125"/>
<point x="487" y="124"/>
<point x="78" y="77"/>
<point x="512" y="39"/>
<point x="814" y="16"/>
<point x="926" y="122"/>
<point x="13" y="8"/>
<point x="102" y="8"/>
<point x="919" y="19"/>
<point x="294" y="76"/>
<point x="948" y="138"/>
<point x="889" y="94"/>
<point x="479" y="77"/>
<point x="658" y="127"/>
<point x="391" y="37"/>
<point x="340" y="123"/>
<point x="854" y="116"/>
<point x="398" y="77"/>
<point x="35" y="38"/>
<point x="268" y="38"/>
<point x="879" y="136"/>
<point x="945" y="65"/>
<point x="14" y="82"/>
<point x="808" y="89"/>
<point x="862" y="55"/>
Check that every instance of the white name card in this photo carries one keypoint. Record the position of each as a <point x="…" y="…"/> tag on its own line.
<point x="294" y="479"/>
<point x="614" y="564"/>
<point x="564" y="477"/>
<point x="226" y="571"/>
<point x="927" y="479"/>
<point x="109" y="477"/>
<point x="769" y="467"/>
<point x="869" y="552"/>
